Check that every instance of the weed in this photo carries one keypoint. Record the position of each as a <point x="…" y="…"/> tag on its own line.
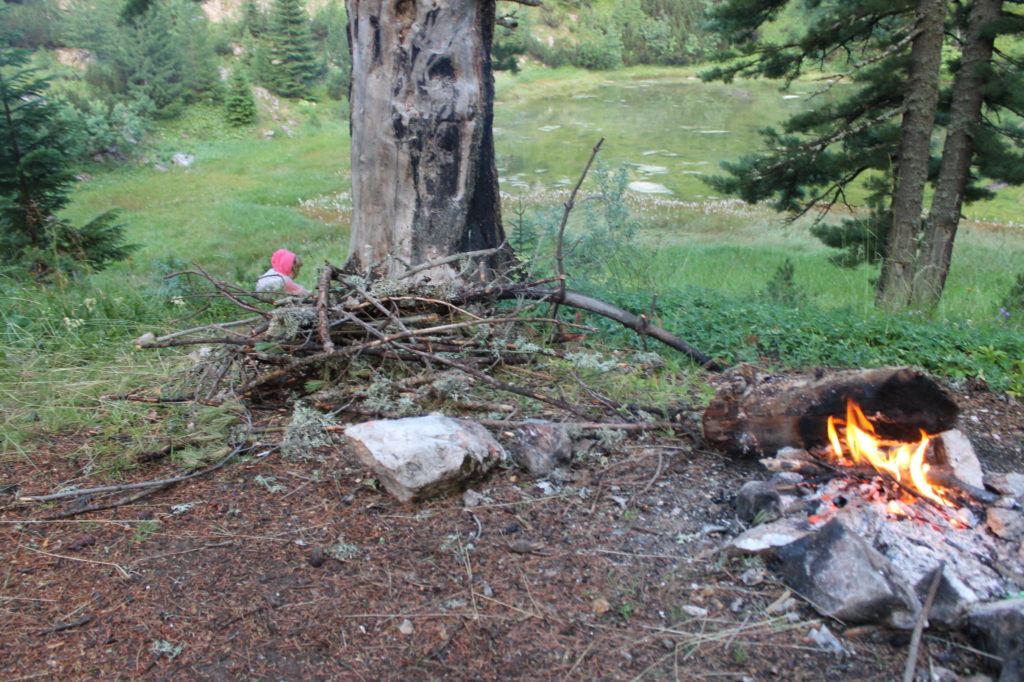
<point x="145" y="530"/>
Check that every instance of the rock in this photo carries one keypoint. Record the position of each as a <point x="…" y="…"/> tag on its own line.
<point x="758" y="501"/>
<point x="148" y="337"/>
<point x="420" y="457"/>
<point x="960" y="456"/>
<point x="951" y="598"/>
<point x="695" y="611"/>
<point x="316" y="556"/>
<point x="998" y="628"/>
<point x="472" y="498"/>
<point x="824" y="638"/>
<point x="1006" y="523"/>
<point x="843" y="577"/>
<point x="182" y="159"/>
<point x="406" y="627"/>
<point x="1007" y="484"/>
<point x="540" y="447"/>
<point x="768" y="537"/>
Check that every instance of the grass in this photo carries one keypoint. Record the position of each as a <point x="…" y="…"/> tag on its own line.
<point x="64" y="346"/>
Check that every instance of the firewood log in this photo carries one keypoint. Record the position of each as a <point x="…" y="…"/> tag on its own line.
<point x="756" y="414"/>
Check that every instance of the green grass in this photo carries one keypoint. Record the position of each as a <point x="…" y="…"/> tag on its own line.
<point x="62" y="347"/>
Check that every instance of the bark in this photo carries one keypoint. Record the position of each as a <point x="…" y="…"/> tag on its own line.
<point x="896" y="282"/>
<point x="754" y="414"/>
<point x="957" y="153"/>
<point x="424" y="182"/>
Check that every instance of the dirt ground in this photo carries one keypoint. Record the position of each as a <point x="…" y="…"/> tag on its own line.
<point x="279" y="568"/>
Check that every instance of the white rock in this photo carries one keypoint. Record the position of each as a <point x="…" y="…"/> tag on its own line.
<point x="421" y="457"/>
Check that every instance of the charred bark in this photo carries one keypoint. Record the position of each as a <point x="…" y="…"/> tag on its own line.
<point x="758" y="415"/>
<point x="424" y="181"/>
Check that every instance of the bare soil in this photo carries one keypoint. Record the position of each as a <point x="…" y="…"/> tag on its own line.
<point x="279" y="568"/>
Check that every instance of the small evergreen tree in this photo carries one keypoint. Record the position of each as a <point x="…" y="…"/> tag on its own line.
<point x="293" y="64"/>
<point x="35" y="175"/>
<point x="241" y="105"/>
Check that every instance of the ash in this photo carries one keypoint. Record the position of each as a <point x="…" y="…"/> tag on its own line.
<point x="915" y="537"/>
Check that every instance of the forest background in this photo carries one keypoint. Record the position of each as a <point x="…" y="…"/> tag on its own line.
<point x="255" y="95"/>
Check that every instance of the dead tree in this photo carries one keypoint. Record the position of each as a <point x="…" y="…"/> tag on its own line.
<point x="424" y="181"/>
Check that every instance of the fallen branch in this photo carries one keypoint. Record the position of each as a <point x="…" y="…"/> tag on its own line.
<point x="133" y="486"/>
<point x="922" y="618"/>
<point x="627" y="319"/>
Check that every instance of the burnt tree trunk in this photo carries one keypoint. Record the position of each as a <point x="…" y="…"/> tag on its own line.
<point x="424" y="182"/>
<point x="895" y="285"/>
<point x="757" y="415"/>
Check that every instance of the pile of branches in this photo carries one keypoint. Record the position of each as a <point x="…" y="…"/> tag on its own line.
<point x="290" y="346"/>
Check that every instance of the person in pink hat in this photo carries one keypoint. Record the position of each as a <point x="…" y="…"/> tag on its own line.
<point x="284" y="266"/>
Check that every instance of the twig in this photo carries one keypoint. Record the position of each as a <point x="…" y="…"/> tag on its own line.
<point x="120" y="569"/>
<point x="323" y="289"/>
<point x="482" y="253"/>
<point x="84" y="620"/>
<point x="132" y="486"/>
<point x="107" y="505"/>
<point x="560" y="244"/>
<point x="657" y="473"/>
<point x="922" y="619"/>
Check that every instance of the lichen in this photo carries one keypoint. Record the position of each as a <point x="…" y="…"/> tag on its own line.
<point x="342" y="551"/>
<point x="287" y="321"/>
<point x="306" y="431"/>
<point x="594" y="361"/>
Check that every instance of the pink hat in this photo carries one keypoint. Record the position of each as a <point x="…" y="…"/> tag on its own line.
<point x="282" y="261"/>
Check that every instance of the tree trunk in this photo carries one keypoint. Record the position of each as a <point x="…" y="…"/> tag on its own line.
<point x="957" y="153"/>
<point x="424" y="182"/>
<point x="754" y="414"/>
<point x="896" y="282"/>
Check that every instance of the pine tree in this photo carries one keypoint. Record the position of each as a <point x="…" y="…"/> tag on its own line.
<point x="241" y="107"/>
<point x="293" y="64"/>
<point x="35" y="176"/>
<point x="865" y="137"/>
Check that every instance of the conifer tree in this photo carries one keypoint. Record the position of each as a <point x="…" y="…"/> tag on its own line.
<point x="878" y="45"/>
<point x="35" y="177"/>
<point x="293" y="64"/>
<point x="241" y="106"/>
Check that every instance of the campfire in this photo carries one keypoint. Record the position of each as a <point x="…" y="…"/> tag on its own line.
<point x="902" y="461"/>
<point x="875" y="505"/>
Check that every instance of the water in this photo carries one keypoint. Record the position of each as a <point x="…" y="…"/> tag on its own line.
<point x="668" y="132"/>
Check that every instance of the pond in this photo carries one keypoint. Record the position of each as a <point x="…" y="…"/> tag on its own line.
<point x="667" y="132"/>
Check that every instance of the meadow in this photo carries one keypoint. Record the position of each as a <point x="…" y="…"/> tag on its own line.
<point x="739" y="282"/>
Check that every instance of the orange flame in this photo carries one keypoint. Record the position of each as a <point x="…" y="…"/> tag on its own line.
<point x="900" y="460"/>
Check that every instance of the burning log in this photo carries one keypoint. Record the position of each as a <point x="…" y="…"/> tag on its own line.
<point x="754" y="414"/>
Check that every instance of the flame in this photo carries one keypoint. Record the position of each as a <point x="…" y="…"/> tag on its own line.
<point x="900" y="460"/>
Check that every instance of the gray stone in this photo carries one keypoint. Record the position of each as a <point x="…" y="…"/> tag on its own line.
<point x="182" y="159"/>
<point x="952" y="598"/>
<point x="961" y="457"/>
<point x="998" y="628"/>
<point x="768" y="537"/>
<point x="1005" y="523"/>
<point x="1007" y="484"/>
<point x="758" y="501"/>
<point x="843" y="577"/>
<point x="824" y="638"/>
<point x="540" y="447"/>
<point x="421" y="457"/>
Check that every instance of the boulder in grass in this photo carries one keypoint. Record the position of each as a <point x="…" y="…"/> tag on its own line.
<point x="421" y="457"/>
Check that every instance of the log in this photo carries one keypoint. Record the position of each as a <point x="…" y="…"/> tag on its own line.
<point x="755" y="414"/>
